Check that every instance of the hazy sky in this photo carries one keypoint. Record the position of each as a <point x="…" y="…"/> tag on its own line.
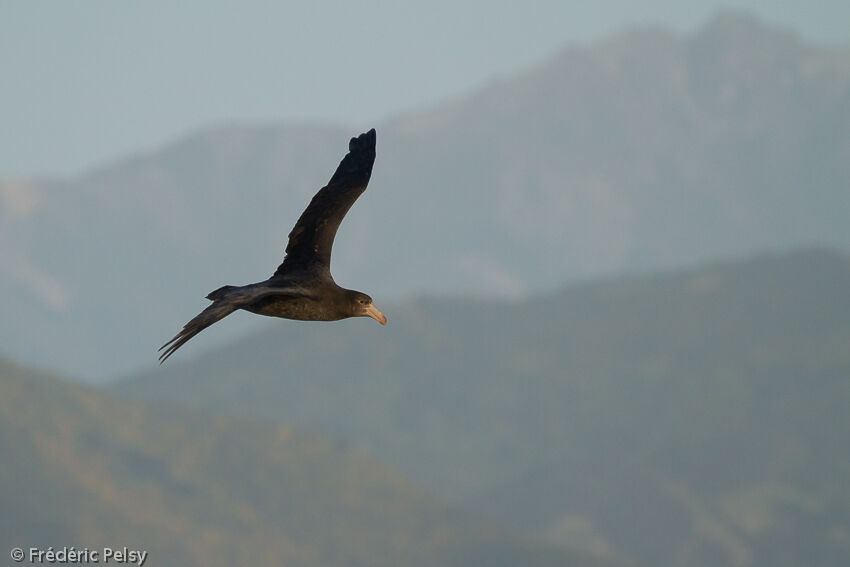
<point x="84" y="82"/>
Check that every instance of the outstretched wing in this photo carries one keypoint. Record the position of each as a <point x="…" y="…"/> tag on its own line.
<point x="310" y="242"/>
<point x="213" y="313"/>
<point x="225" y="300"/>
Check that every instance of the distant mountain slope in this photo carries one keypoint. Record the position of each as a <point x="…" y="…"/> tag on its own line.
<point x="646" y="150"/>
<point x="86" y="470"/>
<point x="691" y="418"/>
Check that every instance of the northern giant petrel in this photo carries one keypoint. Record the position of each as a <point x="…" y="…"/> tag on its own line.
<point x="302" y="288"/>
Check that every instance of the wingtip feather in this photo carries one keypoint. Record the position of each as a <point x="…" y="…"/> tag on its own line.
<point x="365" y="141"/>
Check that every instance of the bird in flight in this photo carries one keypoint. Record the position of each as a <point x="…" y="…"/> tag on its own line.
<point x="302" y="288"/>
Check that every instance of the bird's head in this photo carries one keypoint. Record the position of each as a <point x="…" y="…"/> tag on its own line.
<point x="362" y="306"/>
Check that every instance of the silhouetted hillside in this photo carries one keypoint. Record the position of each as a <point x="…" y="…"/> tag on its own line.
<point x="645" y="150"/>
<point x="692" y="418"/>
<point x="81" y="469"/>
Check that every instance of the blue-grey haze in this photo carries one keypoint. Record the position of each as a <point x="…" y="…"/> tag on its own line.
<point x="84" y="83"/>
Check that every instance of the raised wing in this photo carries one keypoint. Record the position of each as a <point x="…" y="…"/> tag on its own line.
<point x="311" y="240"/>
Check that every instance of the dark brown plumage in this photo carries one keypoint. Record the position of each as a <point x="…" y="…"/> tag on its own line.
<point x="302" y="288"/>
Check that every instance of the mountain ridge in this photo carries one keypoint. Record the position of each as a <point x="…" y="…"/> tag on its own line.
<point x="88" y="470"/>
<point x="689" y="418"/>
<point x="644" y="152"/>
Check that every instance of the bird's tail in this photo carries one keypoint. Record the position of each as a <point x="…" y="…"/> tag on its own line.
<point x="220" y="292"/>
<point x="220" y="309"/>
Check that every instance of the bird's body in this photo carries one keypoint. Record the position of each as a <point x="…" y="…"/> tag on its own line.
<point x="300" y="308"/>
<point x="302" y="288"/>
<point x="322" y="301"/>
